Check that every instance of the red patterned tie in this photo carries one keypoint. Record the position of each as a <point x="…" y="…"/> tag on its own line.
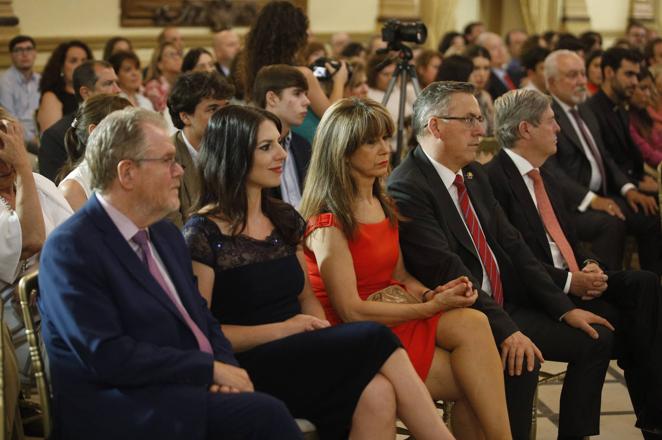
<point x="480" y="242"/>
<point x="551" y="222"/>
<point x="141" y="239"/>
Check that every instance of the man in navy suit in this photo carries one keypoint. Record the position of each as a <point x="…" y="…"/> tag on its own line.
<point x="134" y="352"/>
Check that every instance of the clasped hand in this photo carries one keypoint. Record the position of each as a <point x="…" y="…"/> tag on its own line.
<point x="455" y="294"/>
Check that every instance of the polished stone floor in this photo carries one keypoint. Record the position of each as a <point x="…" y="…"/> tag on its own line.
<point x="616" y="422"/>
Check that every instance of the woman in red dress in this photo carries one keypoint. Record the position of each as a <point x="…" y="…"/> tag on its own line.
<point x="352" y="251"/>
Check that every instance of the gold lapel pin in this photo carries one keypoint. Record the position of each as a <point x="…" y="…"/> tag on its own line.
<point x="470" y="175"/>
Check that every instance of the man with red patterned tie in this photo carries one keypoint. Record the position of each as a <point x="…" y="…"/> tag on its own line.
<point x="531" y="199"/>
<point x="452" y="225"/>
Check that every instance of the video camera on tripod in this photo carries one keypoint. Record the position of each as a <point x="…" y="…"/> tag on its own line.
<point x="395" y="33"/>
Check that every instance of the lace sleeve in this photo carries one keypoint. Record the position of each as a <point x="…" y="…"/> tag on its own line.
<point x="196" y="234"/>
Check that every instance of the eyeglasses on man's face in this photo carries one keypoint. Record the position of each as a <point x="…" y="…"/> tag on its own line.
<point x="470" y="121"/>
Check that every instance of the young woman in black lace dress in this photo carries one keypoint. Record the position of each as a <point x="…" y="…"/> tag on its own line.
<point x="349" y="380"/>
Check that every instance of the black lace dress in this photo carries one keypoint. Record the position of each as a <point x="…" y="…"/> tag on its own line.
<point x="319" y="375"/>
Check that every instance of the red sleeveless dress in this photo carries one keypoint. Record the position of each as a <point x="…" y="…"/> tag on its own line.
<point x="375" y="250"/>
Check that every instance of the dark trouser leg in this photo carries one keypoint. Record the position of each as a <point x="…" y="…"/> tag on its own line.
<point x="587" y="359"/>
<point x="254" y="416"/>
<point x="605" y="233"/>
<point x="646" y="228"/>
<point x="520" y="391"/>
<point x="638" y="297"/>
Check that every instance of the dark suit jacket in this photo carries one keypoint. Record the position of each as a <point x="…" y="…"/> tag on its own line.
<point x="513" y="196"/>
<point x="124" y="364"/>
<point x="614" y="124"/>
<point x="190" y="185"/>
<point x="300" y="152"/>
<point x="52" y="154"/>
<point x="437" y="247"/>
<point x="495" y="87"/>
<point x="570" y="163"/>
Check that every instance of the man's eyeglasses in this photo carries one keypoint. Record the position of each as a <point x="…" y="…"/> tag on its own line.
<point x="470" y="121"/>
<point x="18" y="50"/>
<point x="170" y="161"/>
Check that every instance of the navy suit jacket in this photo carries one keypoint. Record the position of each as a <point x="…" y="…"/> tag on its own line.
<point x="123" y="362"/>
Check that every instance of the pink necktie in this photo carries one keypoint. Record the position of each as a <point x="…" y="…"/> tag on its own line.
<point x="141" y="239"/>
<point x="551" y="222"/>
<point x="591" y="146"/>
<point x="484" y="251"/>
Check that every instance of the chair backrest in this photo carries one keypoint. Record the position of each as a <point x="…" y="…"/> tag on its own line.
<point x="10" y="384"/>
<point x="28" y="291"/>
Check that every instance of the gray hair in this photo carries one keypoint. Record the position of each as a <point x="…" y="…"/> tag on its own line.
<point x="434" y="100"/>
<point x="514" y="107"/>
<point x="119" y="136"/>
<point x="482" y="39"/>
<point x="552" y="63"/>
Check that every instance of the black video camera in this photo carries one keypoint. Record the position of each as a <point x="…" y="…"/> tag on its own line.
<point x="322" y="73"/>
<point x="395" y="31"/>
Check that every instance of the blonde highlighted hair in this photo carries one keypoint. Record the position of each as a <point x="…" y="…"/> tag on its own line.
<point x="346" y="125"/>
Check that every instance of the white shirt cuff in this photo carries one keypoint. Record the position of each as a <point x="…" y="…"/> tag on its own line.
<point x="627" y="187"/>
<point x="566" y="288"/>
<point x="586" y="202"/>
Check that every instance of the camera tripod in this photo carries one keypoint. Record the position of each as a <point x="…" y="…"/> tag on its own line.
<point x="405" y="72"/>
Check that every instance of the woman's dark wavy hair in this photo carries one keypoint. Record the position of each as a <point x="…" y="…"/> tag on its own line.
<point x="91" y="111"/>
<point x="110" y="46"/>
<point x="51" y="78"/>
<point x="226" y="158"/>
<point x="276" y="37"/>
<point x="447" y="40"/>
<point x="191" y="58"/>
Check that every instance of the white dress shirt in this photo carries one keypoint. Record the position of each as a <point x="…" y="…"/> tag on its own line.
<point x="524" y="166"/>
<point x="448" y="177"/>
<point x="192" y="151"/>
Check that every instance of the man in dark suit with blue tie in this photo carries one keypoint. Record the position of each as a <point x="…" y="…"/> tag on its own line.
<point x="134" y="352"/>
<point x="531" y="198"/>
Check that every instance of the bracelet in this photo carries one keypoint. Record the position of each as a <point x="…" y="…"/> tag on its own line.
<point x="424" y="294"/>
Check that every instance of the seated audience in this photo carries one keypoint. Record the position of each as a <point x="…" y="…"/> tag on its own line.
<point x="312" y="52"/>
<point x="74" y="176"/>
<point x="194" y="98"/>
<point x="129" y="79"/>
<point x="283" y="91"/>
<point x="30" y="205"/>
<point x="427" y="67"/>
<point x="472" y="31"/>
<point x="162" y="72"/>
<point x="514" y="40"/>
<point x="265" y="47"/>
<point x="90" y="78"/>
<point x="457" y="228"/>
<point x="604" y="200"/>
<point x="357" y="85"/>
<point x="226" y="46"/>
<point x="620" y="68"/>
<point x="569" y="42"/>
<point x="653" y="52"/>
<point x="635" y="35"/>
<point x="115" y="45"/>
<point x="593" y="65"/>
<point x="348" y="380"/>
<point x="57" y="84"/>
<point x="533" y="62"/>
<point x="534" y="204"/>
<point x="646" y="135"/>
<point x="480" y="78"/>
<point x="338" y="43"/>
<point x="171" y="34"/>
<point x="591" y="40"/>
<point x="198" y="60"/>
<point x="131" y="345"/>
<point x="451" y="43"/>
<point x="500" y="81"/>
<point x="352" y="252"/>
<point x="456" y="68"/>
<point x="375" y="43"/>
<point x="353" y="51"/>
<point x="380" y="70"/>
<point x="19" y="87"/>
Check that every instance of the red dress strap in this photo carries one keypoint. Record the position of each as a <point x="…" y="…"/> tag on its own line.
<point x="324" y="220"/>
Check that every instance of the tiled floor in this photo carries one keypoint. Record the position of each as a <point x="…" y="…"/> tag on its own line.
<point x="616" y="422"/>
